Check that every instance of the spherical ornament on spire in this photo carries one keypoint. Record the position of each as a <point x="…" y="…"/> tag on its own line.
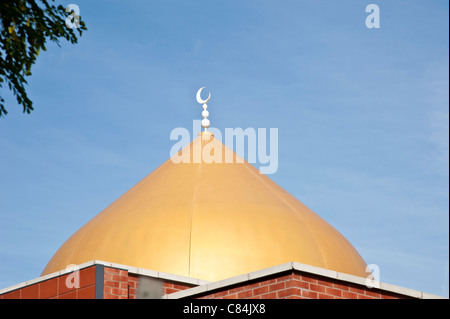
<point x="205" y="123"/>
<point x="205" y="113"/>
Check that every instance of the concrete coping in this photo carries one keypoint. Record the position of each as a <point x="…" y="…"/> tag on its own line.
<point x="204" y="286"/>
<point x="130" y="269"/>
<point x="290" y="266"/>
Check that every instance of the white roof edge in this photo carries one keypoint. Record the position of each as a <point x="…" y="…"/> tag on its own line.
<point x="48" y="276"/>
<point x="426" y="295"/>
<point x="205" y="286"/>
<point x="130" y="269"/>
<point x="299" y="267"/>
<point x="153" y="273"/>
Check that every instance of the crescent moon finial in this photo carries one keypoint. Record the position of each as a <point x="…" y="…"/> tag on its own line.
<point x="199" y="98"/>
<point x="205" y="113"/>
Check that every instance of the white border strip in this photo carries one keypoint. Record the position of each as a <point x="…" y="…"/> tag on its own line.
<point x="209" y="287"/>
<point x="130" y="269"/>
<point x="203" y="286"/>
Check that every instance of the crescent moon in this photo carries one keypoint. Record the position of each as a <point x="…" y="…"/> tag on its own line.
<point x="199" y="99"/>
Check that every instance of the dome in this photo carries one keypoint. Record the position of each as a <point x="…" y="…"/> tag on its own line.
<point x="209" y="221"/>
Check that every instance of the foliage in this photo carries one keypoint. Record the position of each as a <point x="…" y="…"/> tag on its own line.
<point x="25" y="28"/>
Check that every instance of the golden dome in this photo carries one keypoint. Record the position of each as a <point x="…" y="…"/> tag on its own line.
<point x="209" y="221"/>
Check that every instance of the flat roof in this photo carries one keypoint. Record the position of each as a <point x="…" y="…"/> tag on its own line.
<point x="204" y="286"/>
<point x="291" y="266"/>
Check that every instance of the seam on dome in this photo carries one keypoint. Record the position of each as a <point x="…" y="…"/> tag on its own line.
<point x="194" y="198"/>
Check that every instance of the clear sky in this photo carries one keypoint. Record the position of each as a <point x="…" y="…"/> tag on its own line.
<point x="362" y="117"/>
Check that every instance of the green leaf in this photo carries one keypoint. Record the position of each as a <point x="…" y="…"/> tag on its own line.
<point x="28" y="27"/>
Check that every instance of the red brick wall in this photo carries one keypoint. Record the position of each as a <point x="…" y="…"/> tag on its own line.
<point x="118" y="284"/>
<point x="170" y="287"/>
<point x="115" y="284"/>
<point x="121" y="285"/>
<point x="55" y="288"/>
<point x="296" y="285"/>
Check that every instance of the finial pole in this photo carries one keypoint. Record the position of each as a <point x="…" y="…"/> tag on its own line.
<point x="205" y="113"/>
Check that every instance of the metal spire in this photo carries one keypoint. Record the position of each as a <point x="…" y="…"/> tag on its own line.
<point x="205" y="113"/>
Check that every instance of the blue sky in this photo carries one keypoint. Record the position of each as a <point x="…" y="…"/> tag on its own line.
<point x="362" y="117"/>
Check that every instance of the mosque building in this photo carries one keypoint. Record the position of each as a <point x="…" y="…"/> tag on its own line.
<point x="207" y="229"/>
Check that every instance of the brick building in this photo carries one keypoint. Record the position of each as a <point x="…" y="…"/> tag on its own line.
<point x="104" y="280"/>
<point x="206" y="224"/>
